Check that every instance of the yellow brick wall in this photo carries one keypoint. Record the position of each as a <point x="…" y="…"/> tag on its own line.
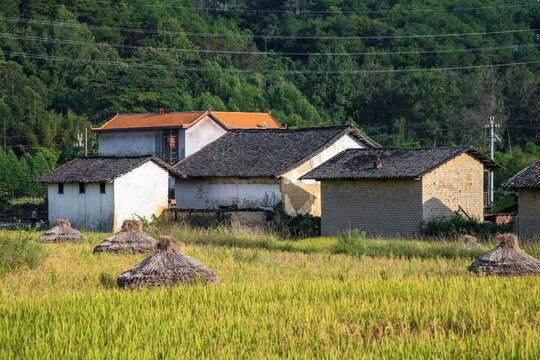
<point x="459" y="182"/>
<point x="302" y="197"/>
<point x="529" y="213"/>
<point x="378" y="207"/>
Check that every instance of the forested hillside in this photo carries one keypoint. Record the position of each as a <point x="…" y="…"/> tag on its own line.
<point x="413" y="72"/>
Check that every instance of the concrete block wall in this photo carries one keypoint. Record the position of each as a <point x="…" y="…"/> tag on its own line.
<point x="378" y="207"/>
<point x="459" y="182"/>
<point x="529" y="213"/>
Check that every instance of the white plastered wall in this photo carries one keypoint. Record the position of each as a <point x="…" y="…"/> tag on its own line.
<point x="91" y="210"/>
<point x="142" y="192"/>
<point x="212" y="193"/>
<point x="201" y="134"/>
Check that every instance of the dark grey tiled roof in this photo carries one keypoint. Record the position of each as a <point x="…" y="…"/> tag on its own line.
<point x="264" y="152"/>
<point x="92" y="169"/>
<point x="395" y="163"/>
<point x="528" y="178"/>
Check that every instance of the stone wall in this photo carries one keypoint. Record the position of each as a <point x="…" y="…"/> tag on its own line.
<point x="459" y="182"/>
<point x="378" y="207"/>
<point x="209" y="218"/>
<point x="529" y="213"/>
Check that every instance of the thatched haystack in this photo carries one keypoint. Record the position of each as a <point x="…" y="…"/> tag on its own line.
<point x="470" y="243"/>
<point x="167" y="266"/>
<point x="507" y="259"/>
<point x="130" y="239"/>
<point x="62" y="232"/>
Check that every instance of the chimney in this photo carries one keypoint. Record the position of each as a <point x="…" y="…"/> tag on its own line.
<point x="377" y="163"/>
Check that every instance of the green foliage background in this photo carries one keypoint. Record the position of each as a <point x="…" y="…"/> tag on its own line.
<point x="46" y="103"/>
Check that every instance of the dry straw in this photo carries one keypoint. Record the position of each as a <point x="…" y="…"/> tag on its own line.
<point x="167" y="267"/>
<point x="470" y="243"/>
<point x="62" y="232"/>
<point x="507" y="259"/>
<point x="130" y="239"/>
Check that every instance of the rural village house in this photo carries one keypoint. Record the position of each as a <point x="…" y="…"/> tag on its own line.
<point x="172" y="136"/>
<point x="258" y="168"/>
<point x="527" y="181"/>
<point x="100" y="192"/>
<point x="393" y="192"/>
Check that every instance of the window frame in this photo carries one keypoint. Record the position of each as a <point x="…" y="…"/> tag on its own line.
<point x="61" y="188"/>
<point x="102" y="188"/>
<point x="82" y="188"/>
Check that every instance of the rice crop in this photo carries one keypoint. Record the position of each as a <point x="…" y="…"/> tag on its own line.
<point x="269" y="304"/>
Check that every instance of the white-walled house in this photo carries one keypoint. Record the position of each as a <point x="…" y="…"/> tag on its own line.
<point x="99" y="192"/>
<point x="248" y="169"/>
<point x="172" y="136"/>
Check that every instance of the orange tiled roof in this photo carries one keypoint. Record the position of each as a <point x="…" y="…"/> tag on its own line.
<point x="186" y="119"/>
<point x="246" y="119"/>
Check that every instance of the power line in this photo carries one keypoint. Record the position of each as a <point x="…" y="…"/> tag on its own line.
<point x="263" y="71"/>
<point x="255" y="36"/>
<point x="234" y="52"/>
<point x="314" y="12"/>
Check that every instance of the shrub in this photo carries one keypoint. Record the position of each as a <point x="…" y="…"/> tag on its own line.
<point x="18" y="253"/>
<point x="456" y="226"/>
<point x="298" y="226"/>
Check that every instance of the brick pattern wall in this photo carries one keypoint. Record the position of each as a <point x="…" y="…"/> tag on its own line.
<point x="459" y="182"/>
<point x="302" y="197"/>
<point x="378" y="207"/>
<point x="529" y="213"/>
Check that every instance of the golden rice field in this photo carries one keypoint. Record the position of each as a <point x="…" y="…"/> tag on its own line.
<point x="295" y="303"/>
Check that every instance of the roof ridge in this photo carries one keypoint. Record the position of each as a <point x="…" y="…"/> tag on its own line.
<point x="113" y="156"/>
<point x="407" y="148"/>
<point x="295" y="129"/>
<point x="172" y="112"/>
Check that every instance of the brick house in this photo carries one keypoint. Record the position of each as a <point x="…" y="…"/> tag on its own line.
<point x="250" y="169"/>
<point x="527" y="181"/>
<point x="393" y="192"/>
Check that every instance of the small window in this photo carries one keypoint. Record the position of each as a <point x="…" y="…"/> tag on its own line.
<point x="60" y="188"/>
<point x="81" y="188"/>
<point x="102" y="188"/>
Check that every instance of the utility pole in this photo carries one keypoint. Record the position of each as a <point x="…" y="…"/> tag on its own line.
<point x="492" y="138"/>
<point x="85" y="141"/>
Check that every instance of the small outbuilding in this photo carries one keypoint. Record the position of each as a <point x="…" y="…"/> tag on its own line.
<point x="257" y="168"/>
<point x="395" y="192"/>
<point x="99" y="192"/>
<point x="527" y="181"/>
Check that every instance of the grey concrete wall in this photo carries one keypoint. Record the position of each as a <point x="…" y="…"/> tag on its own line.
<point x="127" y="142"/>
<point x="91" y="210"/>
<point x="529" y="213"/>
<point x="378" y="207"/>
<point x="212" y="193"/>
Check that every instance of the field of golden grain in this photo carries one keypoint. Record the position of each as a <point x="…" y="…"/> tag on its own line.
<point x="275" y="299"/>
